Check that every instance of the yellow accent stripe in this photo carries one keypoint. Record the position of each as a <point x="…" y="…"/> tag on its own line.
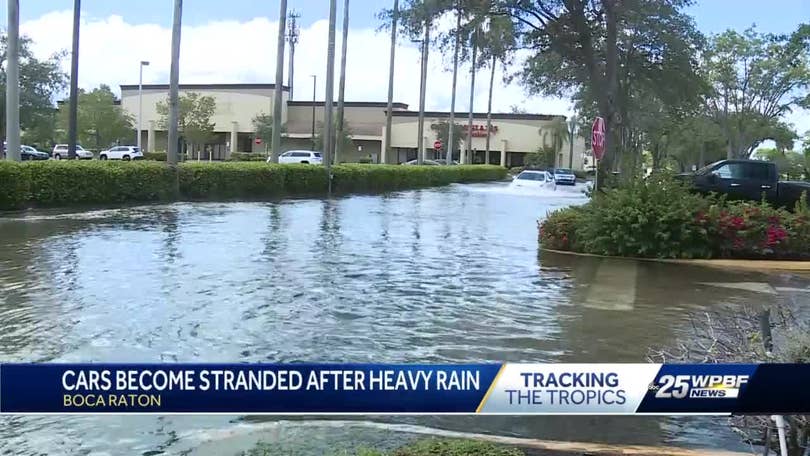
<point x="491" y="387"/>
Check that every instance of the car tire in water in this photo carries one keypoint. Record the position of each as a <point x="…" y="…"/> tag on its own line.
<point x="125" y="158"/>
<point x="102" y="157"/>
<point x="57" y="157"/>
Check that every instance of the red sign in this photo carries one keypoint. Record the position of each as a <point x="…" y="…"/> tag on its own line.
<point x="258" y="140"/>
<point x="437" y="144"/>
<point x="598" y="138"/>
<point x="479" y="131"/>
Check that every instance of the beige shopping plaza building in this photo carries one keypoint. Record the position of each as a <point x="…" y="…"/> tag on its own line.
<point x="512" y="135"/>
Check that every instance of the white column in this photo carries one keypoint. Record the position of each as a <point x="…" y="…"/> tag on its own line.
<point x="503" y="153"/>
<point x="462" y="155"/>
<point x="234" y="139"/>
<point x="150" y="137"/>
<point x="383" y="158"/>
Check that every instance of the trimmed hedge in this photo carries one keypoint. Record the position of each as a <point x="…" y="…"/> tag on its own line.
<point x="247" y="156"/>
<point x="156" y="156"/>
<point x="64" y="183"/>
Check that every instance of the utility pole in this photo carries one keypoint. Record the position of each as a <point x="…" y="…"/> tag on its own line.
<point x="13" y="83"/>
<point x="420" y="151"/>
<point x="386" y="152"/>
<point x="342" y="85"/>
<point x="293" y="33"/>
<point x="74" y="82"/>
<point x="328" y="124"/>
<point x="472" y="97"/>
<point x="278" y="95"/>
<point x="451" y="140"/>
<point x="173" y="154"/>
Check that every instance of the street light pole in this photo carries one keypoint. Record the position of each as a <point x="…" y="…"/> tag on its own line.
<point x="314" y="85"/>
<point x="13" y="83"/>
<point x="140" y="102"/>
<point x="174" y="85"/>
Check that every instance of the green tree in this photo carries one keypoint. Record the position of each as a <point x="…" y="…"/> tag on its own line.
<point x="543" y="158"/>
<point x="610" y="55"/>
<point x="554" y="137"/>
<point x="194" y="118"/>
<point x="40" y="81"/>
<point x="756" y="79"/>
<point x="263" y="127"/>
<point x="442" y="129"/>
<point x="101" y="122"/>
<point x="348" y="143"/>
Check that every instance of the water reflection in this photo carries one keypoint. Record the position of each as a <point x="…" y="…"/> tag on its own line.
<point x="445" y="275"/>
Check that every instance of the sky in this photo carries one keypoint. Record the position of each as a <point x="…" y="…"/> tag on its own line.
<point x="234" y="41"/>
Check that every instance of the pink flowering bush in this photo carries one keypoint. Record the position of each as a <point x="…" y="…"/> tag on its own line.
<point x="660" y="218"/>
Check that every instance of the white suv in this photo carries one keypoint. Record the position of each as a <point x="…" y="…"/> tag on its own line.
<point x="300" y="156"/>
<point x="60" y="151"/>
<point x="121" y="153"/>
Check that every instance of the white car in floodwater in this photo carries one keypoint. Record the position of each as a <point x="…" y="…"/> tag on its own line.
<point x="534" y="179"/>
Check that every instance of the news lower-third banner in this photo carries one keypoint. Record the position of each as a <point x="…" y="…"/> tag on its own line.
<point x="319" y="389"/>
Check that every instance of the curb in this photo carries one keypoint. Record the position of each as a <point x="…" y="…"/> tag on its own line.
<point x="747" y="265"/>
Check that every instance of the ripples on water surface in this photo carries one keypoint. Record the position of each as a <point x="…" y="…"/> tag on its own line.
<point x="440" y="275"/>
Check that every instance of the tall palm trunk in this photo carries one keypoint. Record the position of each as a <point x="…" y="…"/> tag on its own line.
<point x="451" y="141"/>
<point x="489" y="107"/>
<point x="472" y="98"/>
<point x="388" y="114"/>
<point x="342" y="86"/>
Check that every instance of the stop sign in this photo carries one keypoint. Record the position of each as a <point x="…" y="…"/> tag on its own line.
<point x="437" y="144"/>
<point x="598" y="138"/>
<point x="258" y="140"/>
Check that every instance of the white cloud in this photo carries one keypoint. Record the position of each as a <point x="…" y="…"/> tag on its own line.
<point x="234" y="52"/>
<point x="239" y="52"/>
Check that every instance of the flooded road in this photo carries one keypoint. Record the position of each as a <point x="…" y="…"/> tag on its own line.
<point x="447" y="275"/>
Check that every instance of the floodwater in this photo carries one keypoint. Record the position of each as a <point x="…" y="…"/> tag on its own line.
<point x="448" y="275"/>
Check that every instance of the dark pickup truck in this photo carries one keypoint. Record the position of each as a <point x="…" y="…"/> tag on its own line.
<point x="747" y="179"/>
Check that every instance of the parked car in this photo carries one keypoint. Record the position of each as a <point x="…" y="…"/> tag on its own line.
<point x="26" y="153"/>
<point x="747" y="179"/>
<point x="121" y="153"/>
<point x="29" y="153"/>
<point x="534" y="179"/>
<point x="424" y="163"/>
<point x="442" y="161"/>
<point x="60" y="151"/>
<point x="300" y="156"/>
<point x="564" y="176"/>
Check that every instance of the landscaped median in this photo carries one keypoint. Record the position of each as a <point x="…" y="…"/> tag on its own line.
<point x="65" y="183"/>
<point x="660" y="218"/>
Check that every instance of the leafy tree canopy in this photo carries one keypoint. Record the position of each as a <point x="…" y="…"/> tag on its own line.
<point x="101" y="121"/>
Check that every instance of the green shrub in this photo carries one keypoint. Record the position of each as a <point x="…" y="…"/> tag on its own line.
<point x="247" y="156"/>
<point x="206" y="180"/>
<point x="156" y="156"/>
<point x="55" y="183"/>
<point x="455" y="447"/>
<point x="60" y="183"/>
<point x="14" y="185"/>
<point x="660" y="218"/>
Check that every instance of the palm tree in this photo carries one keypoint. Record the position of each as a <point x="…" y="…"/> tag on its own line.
<point x="555" y="136"/>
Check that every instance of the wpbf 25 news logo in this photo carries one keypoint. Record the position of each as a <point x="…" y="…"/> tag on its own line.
<point x="699" y="386"/>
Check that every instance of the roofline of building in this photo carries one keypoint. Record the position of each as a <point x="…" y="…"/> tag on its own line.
<point x="351" y="104"/>
<point x="462" y="116"/>
<point x="203" y="86"/>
